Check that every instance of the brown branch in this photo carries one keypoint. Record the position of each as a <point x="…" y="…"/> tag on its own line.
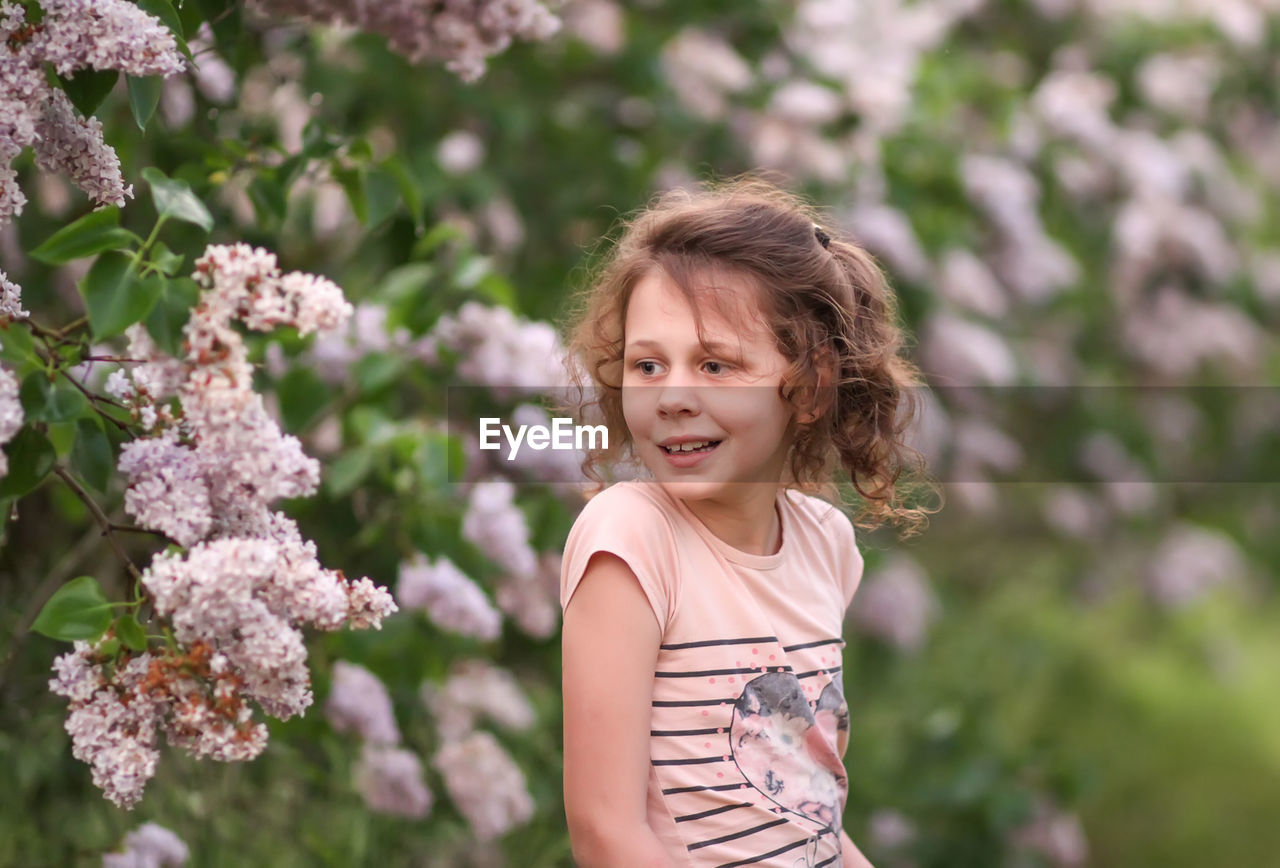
<point x="101" y="517"/>
<point x="129" y="528"/>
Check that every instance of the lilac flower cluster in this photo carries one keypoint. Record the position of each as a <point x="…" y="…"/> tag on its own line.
<point x="450" y="598"/>
<point x="247" y="582"/>
<point x="388" y="777"/>
<point x="461" y="33"/>
<point x="11" y="415"/>
<point x="149" y="846"/>
<point x="73" y="35"/>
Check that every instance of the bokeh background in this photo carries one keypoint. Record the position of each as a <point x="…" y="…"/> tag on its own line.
<point x="1071" y="666"/>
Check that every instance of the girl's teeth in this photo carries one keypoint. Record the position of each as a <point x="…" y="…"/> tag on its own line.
<point x="689" y="447"/>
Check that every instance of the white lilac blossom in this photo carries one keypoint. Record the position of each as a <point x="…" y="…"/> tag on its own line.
<point x="499" y="350"/>
<point x="11" y="414"/>
<point x="494" y="524"/>
<point x="896" y="605"/>
<point x="359" y="703"/>
<point x="389" y="779"/>
<point x="474" y="689"/>
<point x="485" y="784"/>
<point x="73" y="35"/>
<point x="450" y="598"/>
<point x="462" y="34"/>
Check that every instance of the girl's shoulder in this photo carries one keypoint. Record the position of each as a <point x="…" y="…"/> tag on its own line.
<point x="630" y="506"/>
<point x="822" y="514"/>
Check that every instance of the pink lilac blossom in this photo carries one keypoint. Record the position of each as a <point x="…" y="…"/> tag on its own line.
<point x="149" y="846"/>
<point x="112" y="728"/>
<point x="238" y="596"/>
<point x="897" y="606"/>
<point x="72" y="35"/>
<point x="11" y="415"/>
<point x="474" y="689"/>
<point x="450" y="598"/>
<point x="485" y="784"/>
<point x="359" y="703"/>
<point x="533" y="602"/>
<point x="1189" y="562"/>
<point x="499" y="350"/>
<point x="334" y="351"/>
<point x="166" y="490"/>
<point x="10" y="299"/>
<point x="389" y="779"/>
<point x="461" y="33"/>
<point x="1055" y="834"/>
<point x="495" y="525"/>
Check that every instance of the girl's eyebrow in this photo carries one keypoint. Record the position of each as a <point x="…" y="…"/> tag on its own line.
<point x="715" y="347"/>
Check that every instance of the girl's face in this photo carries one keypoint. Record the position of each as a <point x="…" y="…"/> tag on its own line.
<point x="705" y="411"/>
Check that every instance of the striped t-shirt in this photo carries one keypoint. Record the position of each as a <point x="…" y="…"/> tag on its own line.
<point x="749" y="723"/>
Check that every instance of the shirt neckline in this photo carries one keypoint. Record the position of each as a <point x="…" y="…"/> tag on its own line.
<point x="735" y="555"/>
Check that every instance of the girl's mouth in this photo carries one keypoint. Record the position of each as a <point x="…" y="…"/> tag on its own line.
<point x="692" y="446"/>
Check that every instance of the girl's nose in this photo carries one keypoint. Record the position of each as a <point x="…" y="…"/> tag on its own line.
<point x="677" y="398"/>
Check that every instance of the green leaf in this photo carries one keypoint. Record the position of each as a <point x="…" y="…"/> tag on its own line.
<point x="165" y="259"/>
<point x="46" y="401"/>
<point x="31" y="457"/>
<point x="343" y="475"/>
<point x="171" y="313"/>
<point x="144" y="96"/>
<point x="17" y="346"/>
<point x="376" y="370"/>
<point x="352" y="181"/>
<point x="77" y="610"/>
<point x="409" y="189"/>
<point x="91" y="456"/>
<point x="382" y="191"/>
<point x="90" y="235"/>
<point x="115" y="297"/>
<point x="174" y="199"/>
<point x="441" y="459"/>
<point x="88" y="88"/>
<point x="131" y="633"/>
<point x="303" y="398"/>
<point x="269" y="198"/>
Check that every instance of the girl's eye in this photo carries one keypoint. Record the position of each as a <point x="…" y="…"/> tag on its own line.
<point x="647" y="368"/>
<point x="716" y="367"/>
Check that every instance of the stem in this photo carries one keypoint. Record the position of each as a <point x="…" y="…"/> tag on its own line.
<point x="146" y="245"/>
<point x="94" y="400"/>
<point x="134" y="529"/>
<point x="101" y="517"/>
<point x="72" y="326"/>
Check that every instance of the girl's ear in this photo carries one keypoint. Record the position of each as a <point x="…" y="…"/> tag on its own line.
<point x="818" y="397"/>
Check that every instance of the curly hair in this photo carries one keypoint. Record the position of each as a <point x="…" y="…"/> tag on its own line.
<point x="832" y="314"/>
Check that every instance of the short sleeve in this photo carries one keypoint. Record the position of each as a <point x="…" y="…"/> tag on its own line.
<point x="627" y="523"/>
<point x="848" y="558"/>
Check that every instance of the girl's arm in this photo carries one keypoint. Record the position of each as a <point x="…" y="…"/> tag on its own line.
<point x="851" y="855"/>
<point x="610" y="650"/>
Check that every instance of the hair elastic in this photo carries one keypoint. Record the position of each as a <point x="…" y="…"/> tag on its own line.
<point x="823" y="238"/>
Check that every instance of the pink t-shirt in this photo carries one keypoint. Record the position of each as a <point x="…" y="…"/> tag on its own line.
<point x="749" y="722"/>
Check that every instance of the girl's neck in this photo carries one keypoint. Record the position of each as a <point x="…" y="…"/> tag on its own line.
<point x="748" y="522"/>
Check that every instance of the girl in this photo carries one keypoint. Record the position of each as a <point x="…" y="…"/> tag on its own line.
<point x="740" y="354"/>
